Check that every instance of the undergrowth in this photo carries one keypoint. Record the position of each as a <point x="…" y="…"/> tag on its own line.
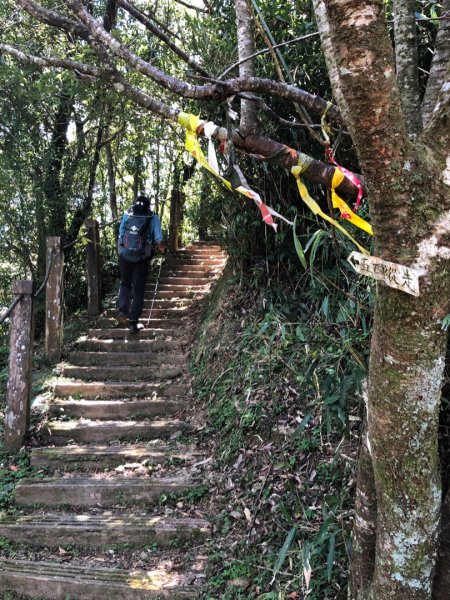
<point x="279" y="368"/>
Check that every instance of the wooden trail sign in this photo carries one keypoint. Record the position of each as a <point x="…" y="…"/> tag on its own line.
<point x="396" y="276"/>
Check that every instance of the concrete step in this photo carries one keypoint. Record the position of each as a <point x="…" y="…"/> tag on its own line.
<point x="171" y="302"/>
<point x="152" y="324"/>
<point x="171" y="312"/>
<point x="122" y="359"/>
<point x="191" y="260"/>
<point x="62" y="581"/>
<point x="171" y="295"/>
<point x="206" y="244"/>
<point x="84" y="458"/>
<point x="183" y="280"/>
<point x="201" y="251"/>
<point x="89" y="492"/>
<point x="122" y="373"/>
<point x="164" y="331"/>
<point x="116" y="409"/>
<point x="99" y="531"/>
<point x="130" y="345"/>
<point x="122" y="389"/>
<point x="184" y="273"/>
<point x="175" y="289"/>
<point x="59" y="433"/>
<point x="181" y="267"/>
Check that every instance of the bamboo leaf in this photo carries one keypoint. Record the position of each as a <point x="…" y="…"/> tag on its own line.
<point x="315" y="246"/>
<point x="298" y="246"/>
<point x="284" y="550"/>
<point x="301" y="426"/>
<point x="330" y="557"/>
<point x="307" y="571"/>
<point x="312" y="238"/>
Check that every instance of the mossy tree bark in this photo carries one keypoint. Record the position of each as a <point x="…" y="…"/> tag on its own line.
<point x="406" y="62"/>
<point x="409" y="198"/>
<point x="246" y="47"/>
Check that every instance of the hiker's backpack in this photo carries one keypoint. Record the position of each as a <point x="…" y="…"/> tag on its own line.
<point x="132" y="246"/>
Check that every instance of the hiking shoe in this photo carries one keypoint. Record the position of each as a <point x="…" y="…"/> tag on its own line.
<point x="122" y="318"/>
<point x="134" y="327"/>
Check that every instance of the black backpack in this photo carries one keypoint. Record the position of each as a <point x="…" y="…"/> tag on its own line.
<point x="132" y="246"/>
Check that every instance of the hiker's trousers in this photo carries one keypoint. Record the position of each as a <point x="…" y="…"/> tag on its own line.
<point x="133" y="277"/>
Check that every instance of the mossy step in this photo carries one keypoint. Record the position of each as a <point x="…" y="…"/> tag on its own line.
<point x="82" y="458"/>
<point x="52" y="581"/>
<point x="59" y="433"/>
<point x="156" y="360"/>
<point x="123" y="389"/>
<point x="115" y="409"/>
<point x="123" y="373"/>
<point x="130" y="345"/>
<point x="89" y="492"/>
<point x="101" y="531"/>
<point x="163" y="332"/>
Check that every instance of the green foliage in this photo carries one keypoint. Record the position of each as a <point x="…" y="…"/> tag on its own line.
<point x="11" y="473"/>
<point x="281" y="363"/>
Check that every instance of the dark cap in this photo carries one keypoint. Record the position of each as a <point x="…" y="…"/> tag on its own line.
<point x="142" y="205"/>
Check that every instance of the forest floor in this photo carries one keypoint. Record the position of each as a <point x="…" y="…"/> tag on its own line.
<point x="278" y="448"/>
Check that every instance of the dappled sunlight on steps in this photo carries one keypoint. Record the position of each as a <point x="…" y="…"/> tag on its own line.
<point x="120" y="410"/>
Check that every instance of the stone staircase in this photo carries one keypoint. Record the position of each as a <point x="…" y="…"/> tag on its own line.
<point x="118" y="437"/>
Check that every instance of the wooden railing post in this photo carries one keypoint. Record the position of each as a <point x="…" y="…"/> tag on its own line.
<point x="93" y="266"/>
<point x="54" y="300"/>
<point x="18" y="392"/>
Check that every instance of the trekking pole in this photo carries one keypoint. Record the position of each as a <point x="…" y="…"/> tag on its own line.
<point x="154" y="293"/>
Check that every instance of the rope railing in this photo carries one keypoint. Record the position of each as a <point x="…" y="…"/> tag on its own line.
<point x="41" y="288"/>
<point x="47" y="274"/>
<point x="9" y="310"/>
<point x="16" y="300"/>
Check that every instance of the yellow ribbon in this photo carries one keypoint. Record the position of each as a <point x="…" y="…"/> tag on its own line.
<point x="191" y="123"/>
<point x="345" y="210"/>
<point x="315" y="208"/>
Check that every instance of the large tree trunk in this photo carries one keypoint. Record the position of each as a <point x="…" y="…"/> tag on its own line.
<point x="408" y="200"/>
<point x="54" y="194"/>
<point x="112" y="193"/>
<point x="439" y="66"/>
<point x="244" y="27"/>
<point x="364" y="528"/>
<point x="406" y="60"/>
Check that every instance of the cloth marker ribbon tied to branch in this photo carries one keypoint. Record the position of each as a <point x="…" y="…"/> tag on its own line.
<point x="350" y="176"/>
<point x="238" y="182"/>
<point x="344" y="209"/>
<point x="303" y="163"/>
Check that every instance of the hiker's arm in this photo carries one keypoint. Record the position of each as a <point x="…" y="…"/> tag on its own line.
<point x="121" y="232"/>
<point x="122" y="228"/>
<point x="158" y="236"/>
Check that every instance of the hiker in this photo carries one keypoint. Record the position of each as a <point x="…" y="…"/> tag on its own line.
<point x="140" y="230"/>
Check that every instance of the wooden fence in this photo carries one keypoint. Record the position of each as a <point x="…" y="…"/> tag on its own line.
<point x="21" y="312"/>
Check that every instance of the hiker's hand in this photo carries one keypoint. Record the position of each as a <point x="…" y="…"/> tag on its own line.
<point x="162" y="247"/>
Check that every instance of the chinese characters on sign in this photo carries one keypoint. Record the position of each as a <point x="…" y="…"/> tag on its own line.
<point x="395" y="276"/>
